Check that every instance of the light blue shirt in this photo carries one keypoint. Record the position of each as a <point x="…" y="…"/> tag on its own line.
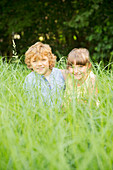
<point x="42" y="90"/>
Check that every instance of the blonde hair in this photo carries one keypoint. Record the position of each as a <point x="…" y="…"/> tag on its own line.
<point x="80" y="55"/>
<point x="39" y="50"/>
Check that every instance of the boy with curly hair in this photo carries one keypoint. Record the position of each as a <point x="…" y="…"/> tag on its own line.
<point x="45" y="82"/>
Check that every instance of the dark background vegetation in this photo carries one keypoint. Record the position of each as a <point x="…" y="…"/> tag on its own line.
<point x="63" y="24"/>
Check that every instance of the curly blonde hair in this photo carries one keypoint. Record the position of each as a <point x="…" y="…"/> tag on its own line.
<point x="80" y="55"/>
<point x="39" y="50"/>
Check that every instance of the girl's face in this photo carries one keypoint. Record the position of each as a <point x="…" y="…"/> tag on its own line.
<point x="41" y="66"/>
<point x="79" y="71"/>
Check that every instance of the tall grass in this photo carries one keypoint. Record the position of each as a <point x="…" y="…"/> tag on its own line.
<point x="77" y="137"/>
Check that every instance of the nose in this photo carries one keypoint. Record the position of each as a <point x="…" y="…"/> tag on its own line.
<point x="38" y="63"/>
<point x="75" y="70"/>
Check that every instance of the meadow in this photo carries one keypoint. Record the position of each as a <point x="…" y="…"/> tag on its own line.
<point x="77" y="137"/>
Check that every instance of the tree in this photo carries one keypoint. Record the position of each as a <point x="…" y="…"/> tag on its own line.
<point x="63" y="25"/>
<point x="31" y="20"/>
<point x="93" y="23"/>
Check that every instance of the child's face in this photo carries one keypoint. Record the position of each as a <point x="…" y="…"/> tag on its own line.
<point x="41" y="66"/>
<point x="79" y="71"/>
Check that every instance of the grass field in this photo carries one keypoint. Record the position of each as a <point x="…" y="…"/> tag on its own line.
<point x="81" y="137"/>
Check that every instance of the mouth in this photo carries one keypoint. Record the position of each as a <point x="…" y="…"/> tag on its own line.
<point x="78" y="74"/>
<point x="41" y="68"/>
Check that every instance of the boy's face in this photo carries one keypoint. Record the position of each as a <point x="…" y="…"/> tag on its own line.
<point x="79" y="71"/>
<point x="41" y="66"/>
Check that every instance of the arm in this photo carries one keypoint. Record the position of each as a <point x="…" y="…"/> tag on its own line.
<point x="64" y="73"/>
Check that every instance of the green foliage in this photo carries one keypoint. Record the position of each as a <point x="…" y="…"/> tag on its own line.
<point x="77" y="137"/>
<point x="63" y="25"/>
<point x="32" y="20"/>
<point x="94" y="26"/>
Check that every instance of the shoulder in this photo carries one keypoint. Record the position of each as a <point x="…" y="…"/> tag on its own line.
<point x="57" y="72"/>
<point x="30" y="76"/>
<point x="58" y="76"/>
<point x="92" y="77"/>
<point x="30" y="80"/>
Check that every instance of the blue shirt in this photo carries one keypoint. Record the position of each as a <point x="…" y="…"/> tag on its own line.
<point x="42" y="90"/>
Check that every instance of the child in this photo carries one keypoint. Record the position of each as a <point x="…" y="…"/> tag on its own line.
<point x="80" y="79"/>
<point x="45" y="83"/>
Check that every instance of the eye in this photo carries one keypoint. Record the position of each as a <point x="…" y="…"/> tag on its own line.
<point x="43" y="59"/>
<point x="80" y="66"/>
